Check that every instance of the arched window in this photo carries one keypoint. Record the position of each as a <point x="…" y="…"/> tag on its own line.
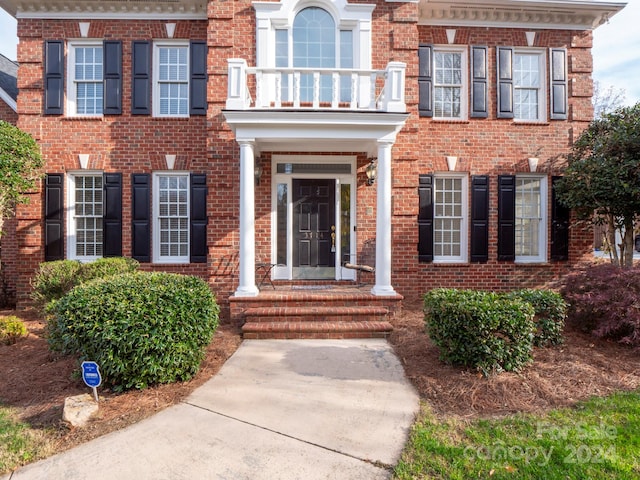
<point x="314" y="39"/>
<point x="316" y="43"/>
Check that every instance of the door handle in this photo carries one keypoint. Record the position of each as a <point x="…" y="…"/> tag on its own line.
<point x="333" y="239"/>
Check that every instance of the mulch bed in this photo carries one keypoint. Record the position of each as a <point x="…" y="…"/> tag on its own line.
<point x="582" y="367"/>
<point x="36" y="382"/>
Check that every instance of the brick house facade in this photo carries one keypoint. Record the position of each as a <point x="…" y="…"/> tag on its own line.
<point x="213" y="138"/>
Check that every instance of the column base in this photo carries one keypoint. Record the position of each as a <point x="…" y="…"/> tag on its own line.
<point x="383" y="291"/>
<point x="247" y="292"/>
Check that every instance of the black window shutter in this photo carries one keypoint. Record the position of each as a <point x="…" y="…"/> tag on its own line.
<point x="425" y="219"/>
<point x="198" y="84"/>
<point x="53" y="217"/>
<point x="141" y="217"/>
<point x="559" y="226"/>
<point x="112" y="50"/>
<point x="559" y="95"/>
<point x="479" y="85"/>
<point x="141" y="78"/>
<point x="479" y="218"/>
<point x="425" y="81"/>
<point x="53" y="77"/>
<point x="506" y="217"/>
<point x="112" y="217"/>
<point x="198" y="219"/>
<point x="505" y="82"/>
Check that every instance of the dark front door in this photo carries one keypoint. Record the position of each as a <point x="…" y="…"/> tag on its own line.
<point x="314" y="228"/>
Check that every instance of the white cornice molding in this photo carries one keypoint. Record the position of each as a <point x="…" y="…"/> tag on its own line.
<point x="6" y="98"/>
<point x="550" y="14"/>
<point x="109" y="9"/>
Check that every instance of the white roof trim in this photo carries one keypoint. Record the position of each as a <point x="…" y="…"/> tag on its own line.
<point x="112" y="16"/>
<point x="315" y="131"/>
<point x="550" y="14"/>
<point x="8" y="100"/>
<point x="107" y="9"/>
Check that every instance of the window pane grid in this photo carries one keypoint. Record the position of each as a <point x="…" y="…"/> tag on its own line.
<point x="173" y="215"/>
<point x="526" y="83"/>
<point x="88" y="216"/>
<point x="173" y="79"/>
<point x="447" y="233"/>
<point x="528" y="216"/>
<point x="448" y="84"/>
<point x="88" y="79"/>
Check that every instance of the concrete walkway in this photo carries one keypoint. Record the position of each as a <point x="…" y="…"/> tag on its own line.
<point x="278" y="409"/>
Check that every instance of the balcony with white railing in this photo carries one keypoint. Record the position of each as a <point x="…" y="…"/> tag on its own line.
<point x="336" y="89"/>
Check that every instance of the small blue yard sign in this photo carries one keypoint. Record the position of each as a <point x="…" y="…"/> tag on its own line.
<point x="91" y="376"/>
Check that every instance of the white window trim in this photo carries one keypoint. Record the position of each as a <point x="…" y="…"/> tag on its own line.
<point x="348" y="16"/>
<point x="156" y="217"/>
<point x="71" y="90"/>
<point x="464" y="224"/>
<point x="543" y="92"/>
<point x="464" y="90"/>
<point x="542" y="229"/>
<point x="71" y="208"/>
<point x="156" y="75"/>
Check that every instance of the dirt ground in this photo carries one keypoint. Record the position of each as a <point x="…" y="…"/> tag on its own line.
<point x="36" y="382"/>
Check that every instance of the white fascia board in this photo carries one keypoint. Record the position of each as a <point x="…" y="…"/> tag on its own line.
<point x="112" y="15"/>
<point x="315" y="131"/>
<point x="9" y="7"/>
<point x="8" y="100"/>
<point x="549" y="14"/>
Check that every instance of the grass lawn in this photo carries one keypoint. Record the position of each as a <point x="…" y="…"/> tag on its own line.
<point x="19" y="443"/>
<point x="597" y="439"/>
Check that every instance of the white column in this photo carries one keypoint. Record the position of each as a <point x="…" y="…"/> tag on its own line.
<point x="383" y="223"/>
<point x="247" y="268"/>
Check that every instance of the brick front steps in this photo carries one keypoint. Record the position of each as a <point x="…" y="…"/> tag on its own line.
<point x="339" y="312"/>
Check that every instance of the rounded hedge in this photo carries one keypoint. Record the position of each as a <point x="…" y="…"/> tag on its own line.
<point x="550" y="314"/>
<point x="480" y="329"/>
<point x="55" y="279"/>
<point x="141" y="328"/>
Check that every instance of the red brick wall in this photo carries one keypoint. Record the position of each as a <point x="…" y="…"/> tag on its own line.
<point x="116" y="143"/>
<point x="138" y="144"/>
<point x="8" y="246"/>
<point x="7" y="114"/>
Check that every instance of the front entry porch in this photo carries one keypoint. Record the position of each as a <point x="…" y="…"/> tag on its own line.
<point x="315" y="310"/>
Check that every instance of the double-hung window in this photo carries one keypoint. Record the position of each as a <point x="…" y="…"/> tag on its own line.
<point x="449" y="92"/>
<point x="530" y="219"/>
<point x="528" y="86"/>
<point x="85" y="79"/>
<point x="443" y="80"/>
<point x="85" y="226"/>
<point x="171" y="79"/>
<point x="450" y="218"/>
<point x="171" y="217"/>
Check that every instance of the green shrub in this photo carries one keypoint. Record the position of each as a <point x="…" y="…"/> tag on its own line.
<point x="480" y="329"/>
<point x="12" y="329"/>
<point x="106" y="267"/>
<point x="55" y="279"/>
<point x="550" y="313"/>
<point x="141" y="328"/>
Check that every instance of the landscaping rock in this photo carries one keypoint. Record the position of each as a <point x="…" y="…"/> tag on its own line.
<point x="79" y="409"/>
